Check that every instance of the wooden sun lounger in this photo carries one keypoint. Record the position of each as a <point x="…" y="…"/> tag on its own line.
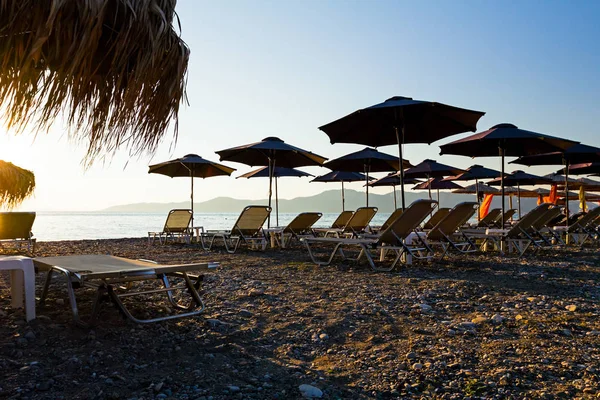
<point x="112" y="277"/>
<point x="391" y="239"/>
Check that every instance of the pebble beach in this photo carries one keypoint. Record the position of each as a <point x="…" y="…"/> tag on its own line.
<point x="278" y="327"/>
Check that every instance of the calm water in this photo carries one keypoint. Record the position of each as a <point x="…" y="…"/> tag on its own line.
<point x="101" y="225"/>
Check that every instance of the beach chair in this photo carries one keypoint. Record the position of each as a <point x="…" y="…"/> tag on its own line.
<point x="342" y="220"/>
<point x="581" y="229"/>
<point x="119" y="279"/>
<point x="490" y="219"/>
<point x="247" y="230"/>
<point x="177" y="225"/>
<point x="15" y="227"/>
<point x="520" y="236"/>
<point x="356" y="225"/>
<point x="435" y="218"/>
<point x="448" y="233"/>
<point x="393" y="216"/>
<point x="299" y="227"/>
<point x="393" y="238"/>
<point x="541" y="227"/>
<point x="508" y="214"/>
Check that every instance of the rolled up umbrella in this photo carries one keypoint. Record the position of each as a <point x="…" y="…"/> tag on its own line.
<point x="400" y="120"/>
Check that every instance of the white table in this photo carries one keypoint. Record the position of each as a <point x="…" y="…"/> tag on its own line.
<point x="22" y="279"/>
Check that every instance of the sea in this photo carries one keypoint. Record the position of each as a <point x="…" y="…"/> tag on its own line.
<point x="54" y="225"/>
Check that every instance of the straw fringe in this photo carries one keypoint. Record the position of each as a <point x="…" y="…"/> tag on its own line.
<point x="116" y="70"/>
<point x="16" y="184"/>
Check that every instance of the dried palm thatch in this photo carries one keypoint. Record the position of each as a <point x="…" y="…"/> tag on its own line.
<point x="114" y="69"/>
<point x="16" y="184"/>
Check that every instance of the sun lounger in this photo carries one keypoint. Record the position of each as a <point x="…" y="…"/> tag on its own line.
<point x="391" y="239"/>
<point x="393" y="216"/>
<point x="247" y="230"/>
<point x="356" y="225"/>
<point x="15" y="227"/>
<point x="299" y="227"/>
<point x="177" y="225"/>
<point x="448" y="233"/>
<point x="342" y="220"/>
<point x="120" y="278"/>
<point x="501" y="222"/>
<point x="490" y="219"/>
<point x="520" y="236"/>
<point x="435" y="218"/>
<point x="580" y="231"/>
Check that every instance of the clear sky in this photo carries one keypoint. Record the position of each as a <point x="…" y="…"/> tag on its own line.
<point x="269" y="68"/>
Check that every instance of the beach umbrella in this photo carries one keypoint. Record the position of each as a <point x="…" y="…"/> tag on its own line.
<point x="271" y="152"/>
<point x="115" y="68"/>
<point x="589" y="185"/>
<point x="16" y="184"/>
<point x="278" y="172"/>
<point x="479" y="187"/>
<point x="505" y="140"/>
<point x="520" y="178"/>
<point x="192" y="166"/>
<point x="400" y="120"/>
<point x="438" y="184"/>
<point x="578" y="153"/>
<point x="587" y="168"/>
<point x="367" y="160"/>
<point x="475" y="173"/>
<point x="341" y="176"/>
<point x="393" y="180"/>
<point x="431" y="169"/>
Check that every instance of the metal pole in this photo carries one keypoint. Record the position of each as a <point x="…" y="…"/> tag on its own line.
<point x="438" y="197"/>
<point x="429" y="186"/>
<point x="271" y="168"/>
<point x="367" y="183"/>
<point x="567" y="199"/>
<point x="395" y="201"/>
<point x="400" y="140"/>
<point x="519" y="198"/>
<point x="276" y="203"/>
<point x="477" y="199"/>
<point x="343" y="199"/>
<point x="192" y="195"/>
<point x="502" y="182"/>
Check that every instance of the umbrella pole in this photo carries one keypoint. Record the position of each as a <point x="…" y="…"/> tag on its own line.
<point x="502" y="242"/>
<point x="271" y="171"/>
<point x="519" y="198"/>
<point x="395" y="201"/>
<point x="438" y="197"/>
<point x="400" y="140"/>
<point x="567" y="199"/>
<point x="192" y="195"/>
<point x="367" y="183"/>
<point x="343" y="199"/>
<point x="477" y="199"/>
<point x="276" y="204"/>
<point x="429" y="186"/>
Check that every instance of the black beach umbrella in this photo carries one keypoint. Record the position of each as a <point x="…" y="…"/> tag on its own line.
<point x="431" y="169"/>
<point x="587" y="168"/>
<point x="278" y="172"/>
<point x="401" y="120"/>
<point x="192" y="166"/>
<point x="579" y="153"/>
<point x="520" y="178"/>
<point x="393" y="180"/>
<point x="505" y="140"/>
<point x="341" y="176"/>
<point x="271" y="152"/>
<point x="475" y="173"/>
<point x="367" y="160"/>
<point x="438" y="184"/>
<point x="479" y="187"/>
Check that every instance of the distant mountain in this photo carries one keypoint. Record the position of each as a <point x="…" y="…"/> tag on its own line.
<point x="328" y="202"/>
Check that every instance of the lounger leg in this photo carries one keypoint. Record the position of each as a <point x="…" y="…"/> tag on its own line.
<point x="322" y="263"/>
<point x="45" y="288"/>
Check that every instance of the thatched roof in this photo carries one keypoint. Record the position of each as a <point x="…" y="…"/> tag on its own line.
<point x="115" y="70"/>
<point x="16" y="184"/>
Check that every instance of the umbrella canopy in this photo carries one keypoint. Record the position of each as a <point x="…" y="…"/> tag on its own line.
<point x="431" y="169"/>
<point x="393" y="180"/>
<point x="559" y="179"/>
<point x="506" y="140"/>
<point x="366" y="160"/>
<point x="16" y="184"/>
<point x="519" y="178"/>
<point x="475" y="172"/>
<point x="400" y="120"/>
<point x="477" y="188"/>
<point x="117" y="69"/>
<point x="438" y="184"/>
<point x="582" y="169"/>
<point x="589" y="185"/>
<point x="278" y="172"/>
<point x="271" y="152"/>
<point x="342" y="176"/>
<point x="193" y="166"/>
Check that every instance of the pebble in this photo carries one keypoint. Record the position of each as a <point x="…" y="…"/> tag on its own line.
<point x="60" y="302"/>
<point x="245" y="313"/>
<point x="323" y="336"/>
<point x="479" y="320"/>
<point x="29" y="336"/>
<point x="417" y="366"/>
<point x="310" y="392"/>
<point x="497" y="319"/>
<point x="233" y="389"/>
<point x="411" y="356"/>
<point x="425" y="307"/>
<point x="571" y="307"/>
<point x="467" y="325"/>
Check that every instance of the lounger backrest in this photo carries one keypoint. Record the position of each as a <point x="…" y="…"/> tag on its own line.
<point x="391" y="219"/>
<point x="178" y="221"/>
<point x="303" y="222"/>
<point x="251" y="220"/>
<point x="457" y="217"/>
<point x="435" y="218"/>
<point x="342" y="220"/>
<point x="360" y="219"/>
<point x="16" y="225"/>
<point x="490" y="219"/>
<point x="408" y="221"/>
<point x="543" y="221"/>
<point x="507" y="215"/>
<point x="586" y="219"/>
<point x="527" y="221"/>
